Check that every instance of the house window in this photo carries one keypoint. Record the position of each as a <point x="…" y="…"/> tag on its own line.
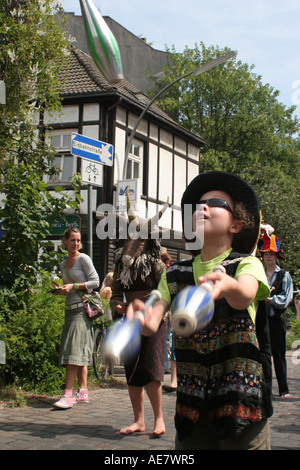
<point x="61" y="141"/>
<point x="135" y="161"/>
<point x="64" y="160"/>
<point x="65" y="163"/>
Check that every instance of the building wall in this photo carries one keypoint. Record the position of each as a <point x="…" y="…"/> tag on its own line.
<point x="137" y="56"/>
<point x="169" y="163"/>
<point x="172" y="162"/>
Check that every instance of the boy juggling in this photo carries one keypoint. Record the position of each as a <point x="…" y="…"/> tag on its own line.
<point x="223" y="383"/>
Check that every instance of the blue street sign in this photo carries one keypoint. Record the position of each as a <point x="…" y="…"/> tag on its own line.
<point x="92" y="149"/>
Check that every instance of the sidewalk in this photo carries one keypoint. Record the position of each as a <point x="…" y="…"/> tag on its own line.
<point x="95" y="426"/>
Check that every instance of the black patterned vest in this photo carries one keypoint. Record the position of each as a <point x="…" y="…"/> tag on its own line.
<point x="223" y="370"/>
<point x="276" y="289"/>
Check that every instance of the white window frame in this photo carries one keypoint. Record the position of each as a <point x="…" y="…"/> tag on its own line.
<point x="62" y="153"/>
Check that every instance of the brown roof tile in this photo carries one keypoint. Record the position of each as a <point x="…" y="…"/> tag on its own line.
<point x="81" y="77"/>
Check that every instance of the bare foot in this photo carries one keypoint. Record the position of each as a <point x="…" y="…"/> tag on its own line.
<point x="159" y="427"/>
<point x="135" y="427"/>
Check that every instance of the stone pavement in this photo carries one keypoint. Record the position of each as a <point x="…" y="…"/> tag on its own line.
<point x="95" y="426"/>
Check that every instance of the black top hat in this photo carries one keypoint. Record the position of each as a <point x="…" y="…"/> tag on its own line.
<point x="239" y="191"/>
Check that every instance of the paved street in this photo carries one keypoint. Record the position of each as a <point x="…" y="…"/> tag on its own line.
<point x="95" y="426"/>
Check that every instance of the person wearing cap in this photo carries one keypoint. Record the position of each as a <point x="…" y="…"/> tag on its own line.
<point x="223" y="370"/>
<point x="281" y="286"/>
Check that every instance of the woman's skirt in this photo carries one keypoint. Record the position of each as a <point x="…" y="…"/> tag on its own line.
<point x="149" y="364"/>
<point x="76" y="345"/>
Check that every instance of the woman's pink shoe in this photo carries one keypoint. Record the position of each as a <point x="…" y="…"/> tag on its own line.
<point x="82" y="396"/>
<point x="66" y="400"/>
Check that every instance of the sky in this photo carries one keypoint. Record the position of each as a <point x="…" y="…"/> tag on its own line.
<point x="264" y="33"/>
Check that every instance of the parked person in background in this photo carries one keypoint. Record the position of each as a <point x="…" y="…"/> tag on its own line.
<point x="106" y="293"/>
<point x="281" y="286"/>
<point x="78" y="274"/>
<point x="173" y="382"/>
<point x="167" y="259"/>
<point x="107" y="281"/>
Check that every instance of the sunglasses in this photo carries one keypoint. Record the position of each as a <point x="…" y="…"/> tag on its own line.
<point x="216" y="202"/>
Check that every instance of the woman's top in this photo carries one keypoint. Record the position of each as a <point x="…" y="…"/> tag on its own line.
<point x="281" y="296"/>
<point x="82" y="271"/>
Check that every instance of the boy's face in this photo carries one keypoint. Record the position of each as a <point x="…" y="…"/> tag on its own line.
<point x="214" y="221"/>
<point x="270" y="259"/>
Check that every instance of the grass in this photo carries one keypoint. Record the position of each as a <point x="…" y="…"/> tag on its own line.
<point x="12" y="396"/>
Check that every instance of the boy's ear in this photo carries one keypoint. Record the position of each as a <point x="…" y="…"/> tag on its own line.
<point x="236" y="227"/>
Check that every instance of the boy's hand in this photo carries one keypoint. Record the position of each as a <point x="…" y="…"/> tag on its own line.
<point x="135" y="306"/>
<point x="152" y="317"/>
<point x="219" y="283"/>
<point x="239" y="292"/>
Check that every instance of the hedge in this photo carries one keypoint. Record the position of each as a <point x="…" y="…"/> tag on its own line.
<point x="31" y="331"/>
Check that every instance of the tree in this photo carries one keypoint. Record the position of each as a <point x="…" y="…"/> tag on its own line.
<point x="33" y="50"/>
<point x="247" y="130"/>
<point x="279" y="200"/>
<point x="230" y="108"/>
